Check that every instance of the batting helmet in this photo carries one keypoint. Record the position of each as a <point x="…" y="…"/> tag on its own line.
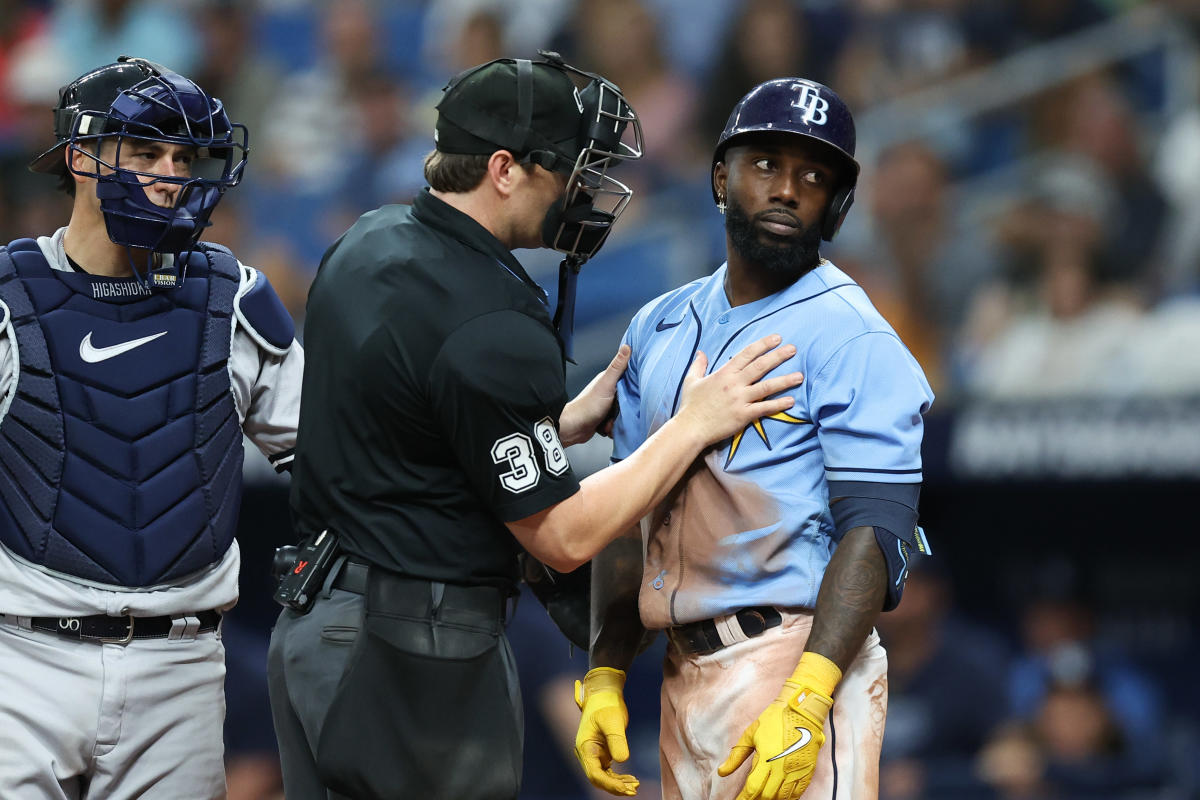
<point x="134" y="100"/>
<point x="804" y="108"/>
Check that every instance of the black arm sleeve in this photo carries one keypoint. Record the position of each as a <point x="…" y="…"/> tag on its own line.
<point x="891" y="510"/>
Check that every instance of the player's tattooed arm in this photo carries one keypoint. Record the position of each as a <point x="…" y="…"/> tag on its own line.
<point x="616" y="625"/>
<point x="851" y="597"/>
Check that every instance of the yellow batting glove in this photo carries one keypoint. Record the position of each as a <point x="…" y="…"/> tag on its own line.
<point x="786" y="738"/>
<point x="601" y="736"/>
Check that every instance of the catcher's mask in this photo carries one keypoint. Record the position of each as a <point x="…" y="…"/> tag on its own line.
<point x="133" y="103"/>
<point x="535" y="110"/>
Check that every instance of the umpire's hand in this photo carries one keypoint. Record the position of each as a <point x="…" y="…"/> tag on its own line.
<point x="594" y="409"/>
<point x="601" y="737"/>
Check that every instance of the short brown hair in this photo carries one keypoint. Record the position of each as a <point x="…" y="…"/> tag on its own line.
<point x="452" y="172"/>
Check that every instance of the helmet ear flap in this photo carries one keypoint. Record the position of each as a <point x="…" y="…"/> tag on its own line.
<point x="835" y="213"/>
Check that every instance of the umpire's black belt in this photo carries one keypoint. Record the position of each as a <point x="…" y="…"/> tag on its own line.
<point x="122" y="630"/>
<point x="710" y="635"/>
<point x="418" y="598"/>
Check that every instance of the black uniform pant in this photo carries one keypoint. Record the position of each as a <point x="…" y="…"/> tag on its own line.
<point x="391" y="687"/>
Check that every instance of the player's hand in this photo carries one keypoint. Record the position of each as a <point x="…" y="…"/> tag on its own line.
<point x="725" y="402"/>
<point x="594" y="409"/>
<point x="786" y="738"/>
<point x="601" y="736"/>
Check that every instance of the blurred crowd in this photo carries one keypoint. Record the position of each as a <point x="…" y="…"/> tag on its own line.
<point x="1028" y="219"/>
<point x="1027" y="237"/>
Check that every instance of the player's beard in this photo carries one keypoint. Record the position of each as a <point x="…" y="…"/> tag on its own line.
<point x="791" y="256"/>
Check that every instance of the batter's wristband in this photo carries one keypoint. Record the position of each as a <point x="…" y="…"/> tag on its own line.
<point x="598" y="680"/>
<point x="816" y="672"/>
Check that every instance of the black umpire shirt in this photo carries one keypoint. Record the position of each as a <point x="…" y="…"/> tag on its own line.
<point x="433" y="383"/>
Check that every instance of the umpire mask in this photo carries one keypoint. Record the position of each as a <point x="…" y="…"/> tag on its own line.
<point x="609" y="132"/>
<point x="535" y="110"/>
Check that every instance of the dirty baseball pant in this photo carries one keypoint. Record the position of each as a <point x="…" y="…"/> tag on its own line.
<point x="85" y="719"/>
<point x="709" y="700"/>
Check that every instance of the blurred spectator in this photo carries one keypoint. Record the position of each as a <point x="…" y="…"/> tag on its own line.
<point x="1060" y="323"/>
<point x="898" y="46"/>
<point x="946" y="691"/>
<point x="273" y="255"/>
<point x="1083" y="750"/>
<point x="388" y="164"/>
<point x="232" y="68"/>
<point x="312" y="126"/>
<point x="620" y="40"/>
<point x="692" y="32"/>
<point x="522" y="26"/>
<point x="1070" y="748"/>
<point x="19" y="24"/>
<point x="313" y="133"/>
<point x="1013" y="764"/>
<point x="1064" y="661"/>
<point x="919" y="261"/>
<point x="767" y="39"/>
<point x="478" y="40"/>
<point x="1100" y="124"/>
<point x="83" y="33"/>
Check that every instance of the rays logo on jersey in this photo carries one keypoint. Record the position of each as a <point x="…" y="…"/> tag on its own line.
<point x="758" y="427"/>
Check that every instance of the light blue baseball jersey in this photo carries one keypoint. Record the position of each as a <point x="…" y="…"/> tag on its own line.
<point x="750" y="524"/>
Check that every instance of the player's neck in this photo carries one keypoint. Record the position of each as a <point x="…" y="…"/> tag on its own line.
<point x="87" y="244"/>
<point x="746" y="282"/>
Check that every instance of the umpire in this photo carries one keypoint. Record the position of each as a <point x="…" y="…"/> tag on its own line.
<point x="429" y="446"/>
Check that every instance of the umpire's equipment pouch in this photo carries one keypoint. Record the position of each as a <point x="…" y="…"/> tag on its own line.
<point x="429" y="705"/>
<point x="301" y="571"/>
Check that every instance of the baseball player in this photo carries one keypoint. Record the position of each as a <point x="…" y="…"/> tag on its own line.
<point x="132" y="359"/>
<point x="769" y="562"/>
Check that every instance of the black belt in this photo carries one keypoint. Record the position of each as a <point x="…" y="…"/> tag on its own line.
<point x="419" y="597"/>
<point x="121" y="630"/>
<point x="701" y="638"/>
<point x="351" y="577"/>
<point x="403" y="595"/>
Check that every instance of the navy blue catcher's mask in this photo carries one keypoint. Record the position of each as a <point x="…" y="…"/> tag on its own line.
<point x="107" y="115"/>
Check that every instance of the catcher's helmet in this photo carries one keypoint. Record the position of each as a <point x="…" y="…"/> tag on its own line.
<point x="804" y="108"/>
<point x="134" y="100"/>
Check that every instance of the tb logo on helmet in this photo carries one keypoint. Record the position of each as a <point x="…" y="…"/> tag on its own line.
<point x="813" y="104"/>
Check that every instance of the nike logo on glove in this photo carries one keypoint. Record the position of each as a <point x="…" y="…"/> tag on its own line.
<point x="805" y="738"/>
<point x="93" y="355"/>
<point x="664" y="325"/>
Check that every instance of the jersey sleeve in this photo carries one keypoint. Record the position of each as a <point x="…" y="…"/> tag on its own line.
<point x="628" y="430"/>
<point x="266" y="392"/>
<point x="868" y="400"/>
<point x="498" y="387"/>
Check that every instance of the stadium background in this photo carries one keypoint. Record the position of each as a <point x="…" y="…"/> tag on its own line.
<point x="1028" y="219"/>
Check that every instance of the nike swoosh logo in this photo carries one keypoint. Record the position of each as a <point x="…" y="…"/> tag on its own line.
<point x="805" y="738"/>
<point x="93" y="355"/>
<point x="664" y="325"/>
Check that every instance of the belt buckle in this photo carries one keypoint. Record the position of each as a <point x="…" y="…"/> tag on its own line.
<point x="126" y="639"/>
